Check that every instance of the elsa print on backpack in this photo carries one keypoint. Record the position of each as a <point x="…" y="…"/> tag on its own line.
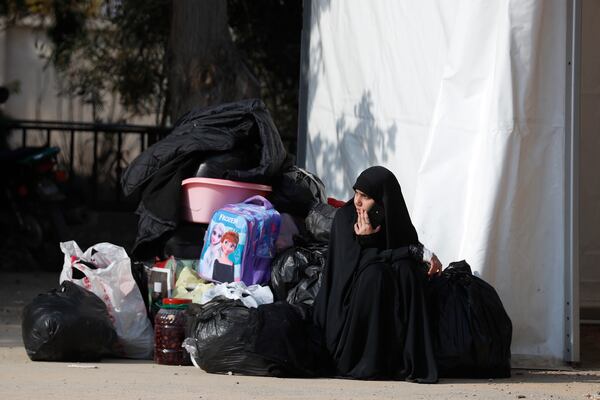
<point x="247" y="245"/>
<point x="213" y="249"/>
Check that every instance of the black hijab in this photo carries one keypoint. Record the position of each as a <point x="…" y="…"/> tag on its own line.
<point x="383" y="187"/>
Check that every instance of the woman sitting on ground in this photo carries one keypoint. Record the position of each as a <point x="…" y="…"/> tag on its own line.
<point x="371" y="305"/>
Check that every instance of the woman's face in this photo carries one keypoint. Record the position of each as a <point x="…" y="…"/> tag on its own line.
<point x="362" y="201"/>
<point x="215" y="236"/>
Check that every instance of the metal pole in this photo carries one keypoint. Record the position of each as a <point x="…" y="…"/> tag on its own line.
<point x="95" y="169"/>
<point x="571" y="222"/>
<point x="72" y="153"/>
<point x="302" y="136"/>
<point x="118" y="167"/>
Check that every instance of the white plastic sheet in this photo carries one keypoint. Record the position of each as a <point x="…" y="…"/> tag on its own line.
<point x="465" y="102"/>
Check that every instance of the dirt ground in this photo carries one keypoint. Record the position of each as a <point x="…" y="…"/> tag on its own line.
<point x="21" y="378"/>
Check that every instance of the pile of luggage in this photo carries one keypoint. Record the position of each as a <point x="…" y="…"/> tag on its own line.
<point x="231" y="246"/>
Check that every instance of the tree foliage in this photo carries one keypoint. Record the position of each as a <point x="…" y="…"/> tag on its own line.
<point x="106" y="48"/>
<point x="120" y="50"/>
<point x="267" y="32"/>
<point x="122" y="47"/>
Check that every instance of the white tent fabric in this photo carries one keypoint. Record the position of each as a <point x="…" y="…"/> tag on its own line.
<point x="465" y="102"/>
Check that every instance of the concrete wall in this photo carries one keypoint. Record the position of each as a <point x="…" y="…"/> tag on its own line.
<point x="21" y="48"/>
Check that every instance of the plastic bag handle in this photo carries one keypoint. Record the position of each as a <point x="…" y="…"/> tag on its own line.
<point x="309" y="175"/>
<point x="75" y="264"/>
<point x="259" y="200"/>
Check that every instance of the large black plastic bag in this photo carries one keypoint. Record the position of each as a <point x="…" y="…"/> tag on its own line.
<point x="273" y="340"/>
<point x="472" y="332"/>
<point x="217" y="334"/>
<point x="296" y="273"/>
<point x="297" y="192"/>
<point x="68" y="324"/>
<point x="320" y="220"/>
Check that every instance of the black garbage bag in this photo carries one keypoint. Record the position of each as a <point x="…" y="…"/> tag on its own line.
<point x="68" y="324"/>
<point x="471" y="330"/>
<point x="296" y="273"/>
<point x="272" y="340"/>
<point x="157" y="173"/>
<point x="297" y="191"/>
<point x="217" y="334"/>
<point x="138" y="271"/>
<point x="319" y="221"/>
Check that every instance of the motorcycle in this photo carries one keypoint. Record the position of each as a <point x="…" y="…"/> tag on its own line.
<point x="32" y="202"/>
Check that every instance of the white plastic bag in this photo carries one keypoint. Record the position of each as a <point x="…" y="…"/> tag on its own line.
<point x="113" y="282"/>
<point x="252" y="296"/>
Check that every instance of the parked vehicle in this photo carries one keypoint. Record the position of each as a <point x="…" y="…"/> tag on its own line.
<point x="32" y="202"/>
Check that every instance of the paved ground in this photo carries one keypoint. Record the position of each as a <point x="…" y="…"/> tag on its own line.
<point x="21" y="378"/>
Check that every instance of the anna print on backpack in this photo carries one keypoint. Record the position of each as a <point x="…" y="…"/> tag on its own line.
<point x="223" y="267"/>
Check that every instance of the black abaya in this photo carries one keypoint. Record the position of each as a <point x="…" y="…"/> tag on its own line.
<point x="371" y="304"/>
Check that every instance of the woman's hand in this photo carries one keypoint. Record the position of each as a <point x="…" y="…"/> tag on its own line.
<point x="363" y="226"/>
<point x="435" y="266"/>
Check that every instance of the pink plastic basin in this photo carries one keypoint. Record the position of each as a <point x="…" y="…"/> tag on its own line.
<point x="201" y="197"/>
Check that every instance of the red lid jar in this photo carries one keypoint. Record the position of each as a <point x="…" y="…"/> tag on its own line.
<point x="169" y="332"/>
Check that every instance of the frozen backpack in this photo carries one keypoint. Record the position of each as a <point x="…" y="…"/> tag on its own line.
<point x="239" y="243"/>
